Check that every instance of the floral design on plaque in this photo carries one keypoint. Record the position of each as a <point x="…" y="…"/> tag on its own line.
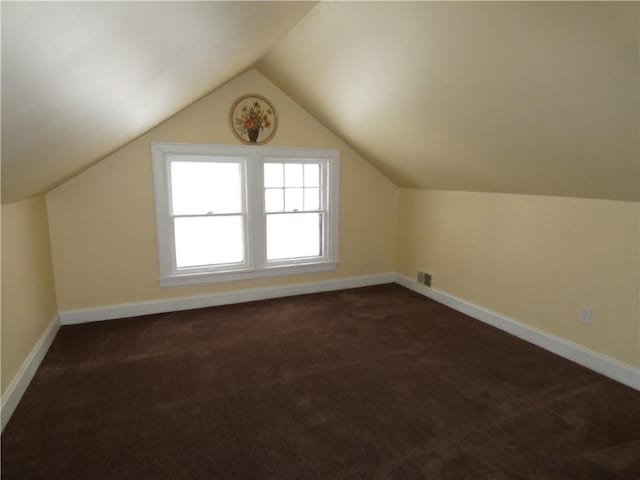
<point x="253" y="119"/>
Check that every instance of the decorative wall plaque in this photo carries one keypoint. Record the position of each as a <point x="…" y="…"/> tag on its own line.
<point x="253" y="119"/>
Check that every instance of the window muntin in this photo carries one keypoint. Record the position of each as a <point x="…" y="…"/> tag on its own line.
<point x="292" y="186"/>
<point x="232" y="212"/>
<point x="294" y="209"/>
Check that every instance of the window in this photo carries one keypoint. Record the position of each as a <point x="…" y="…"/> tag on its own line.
<point x="229" y="213"/>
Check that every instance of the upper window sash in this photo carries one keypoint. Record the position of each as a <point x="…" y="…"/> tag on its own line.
<point x="279" y="189"/>
<point x="233" y="168"/>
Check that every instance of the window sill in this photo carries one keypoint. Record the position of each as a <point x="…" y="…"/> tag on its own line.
<point x="237" y="275"/>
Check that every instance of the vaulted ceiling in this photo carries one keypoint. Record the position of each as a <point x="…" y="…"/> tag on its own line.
<point x="537" y="98"/>
<point x="80" y="79"/>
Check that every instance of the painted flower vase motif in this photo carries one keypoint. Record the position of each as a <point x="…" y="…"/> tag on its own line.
<point x="253" y="119"/>
<point x="253" y="134"/>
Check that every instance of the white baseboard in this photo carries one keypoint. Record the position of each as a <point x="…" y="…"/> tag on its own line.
<point x="598" y="362"/>
<point x="125" y="310"/>
<point x="21" y="381"/>
<point x="593" y="360"/>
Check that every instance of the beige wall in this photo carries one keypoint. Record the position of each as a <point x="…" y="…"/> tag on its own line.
<point x="28" y="294"/>
<point x="536" y="259"/>
<point x="103" y="227"/>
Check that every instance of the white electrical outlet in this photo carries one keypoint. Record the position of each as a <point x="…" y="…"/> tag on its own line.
<point x="585" y="315"/>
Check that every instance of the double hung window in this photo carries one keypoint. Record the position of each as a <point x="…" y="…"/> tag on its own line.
<point x="227" y="212"/>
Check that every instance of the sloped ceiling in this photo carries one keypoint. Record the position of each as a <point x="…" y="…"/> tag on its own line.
<point x="80" y="79"/>
<point x="534" y="98"/>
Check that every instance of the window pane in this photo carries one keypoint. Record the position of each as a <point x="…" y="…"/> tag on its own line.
<point x="273" y="175"/>
<point x="274" y="199"/>
<point x="205" y="187"/>
<point x="293" y="175"/>
<point x="293" y="199"/>
<point x="311" y="175"/>
<point x="208" y="240"/>
<point x="311" y="198"/>
<point x="293" y="235"/>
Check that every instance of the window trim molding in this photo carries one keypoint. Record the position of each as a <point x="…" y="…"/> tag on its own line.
<point x="256" y="266"/>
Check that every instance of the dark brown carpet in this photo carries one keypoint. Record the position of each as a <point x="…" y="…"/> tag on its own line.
<point x="371" y="383"/>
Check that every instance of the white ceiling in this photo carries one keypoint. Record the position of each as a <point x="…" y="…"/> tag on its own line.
<point x="80" y="79"/>
<point x="535" y="98"/>
<point x="538" y="98"/>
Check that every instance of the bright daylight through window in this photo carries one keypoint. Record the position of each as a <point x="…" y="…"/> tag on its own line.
<point x="228" y="213"/>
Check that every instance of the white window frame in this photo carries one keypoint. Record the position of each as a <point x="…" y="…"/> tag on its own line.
<point x="252" y="160"/>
